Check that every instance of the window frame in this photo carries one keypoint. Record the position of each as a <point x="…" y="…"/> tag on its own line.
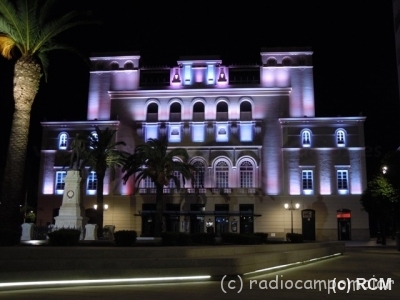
<point x="306" y="141"/>
<point x="92" y="183"/>
<point x="60" y="181"/>
<point x="63" y="144"/>
<point x="342" y="182"/>
<point x="340" y="135"/>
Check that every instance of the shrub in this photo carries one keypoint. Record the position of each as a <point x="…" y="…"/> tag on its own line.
<point x="9" y="237"/>
<point x="125" y="238"/>
<point x="175" y="239"/>
<point x="64" y="237"/>
<point x="203" y="238"/>
<point x="294" y="237"/>
<point x="240" y="239"/>
<point x="263" y="237"/>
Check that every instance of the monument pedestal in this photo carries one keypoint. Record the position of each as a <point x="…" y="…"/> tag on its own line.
<point x="70" y="215"/>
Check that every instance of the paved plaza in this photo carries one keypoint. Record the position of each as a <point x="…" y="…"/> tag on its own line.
<point x="358" y="261"/>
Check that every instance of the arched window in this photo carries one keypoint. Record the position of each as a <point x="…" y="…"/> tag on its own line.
<point x="287" y="61"/>
<point x="63" y="141"/>
<point x="306" y="138"/>
<point x="172" y="184"/>
<point x="95" y="137"/>
<point x="271" y="62"/>
<point x="245" y="111"/>
<point x="128" y="65"/>
<point x="175" y="112"/>
<point x="198" y="111"/>
<point x="114" y="65"/>
<point x="222" y="175"/>
<point x="340" y="138"/>
<point x="246" y="175"/>
<point x="199" y="175"/>
<point x="222" y="111"/>
<point x="148" y="183"/>
<point x="152" y="112"/>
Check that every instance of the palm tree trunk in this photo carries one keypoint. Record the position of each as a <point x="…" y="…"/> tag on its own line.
<point x="159" y="211"/>
<point x="26" y="82"/>
<point x="100" y="203"/>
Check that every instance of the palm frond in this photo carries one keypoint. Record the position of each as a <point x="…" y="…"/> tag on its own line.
<point x="10" y="14"/>
<point x="6" y="46"/>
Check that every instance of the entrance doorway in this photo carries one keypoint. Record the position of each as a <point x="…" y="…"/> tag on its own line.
<point x="172" y="218"/>
<point x="308" y="224"/>
<point x="246" y="218"/>
<point x="196" y="220"/>
<point x="148" y="219"/>
<point x="221" y="218"/>
<point x="344" y="224"/>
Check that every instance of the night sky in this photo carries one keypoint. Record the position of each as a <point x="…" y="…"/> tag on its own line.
<point x="353" y="44"/>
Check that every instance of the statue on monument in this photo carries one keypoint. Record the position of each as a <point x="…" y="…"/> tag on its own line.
<point x="78" y="147"/>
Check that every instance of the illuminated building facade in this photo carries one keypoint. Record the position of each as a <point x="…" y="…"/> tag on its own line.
<point x="250" y="129"/>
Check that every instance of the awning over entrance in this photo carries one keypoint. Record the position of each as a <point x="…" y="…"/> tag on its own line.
<point x="200" y="213"/>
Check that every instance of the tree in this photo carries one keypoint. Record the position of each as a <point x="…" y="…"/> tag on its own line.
<point x="153" y="160"/>
<point x="101" y="154"/>
<point x="27" y="34"/>
<point x="381" y="198"/>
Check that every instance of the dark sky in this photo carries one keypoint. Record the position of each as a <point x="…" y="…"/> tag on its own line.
<point x="352" y="41"/>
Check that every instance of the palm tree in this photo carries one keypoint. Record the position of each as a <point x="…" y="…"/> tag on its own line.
<point x="152" y="160"/>
<point x="101" y="154"/>
<point x="27" y="34"/>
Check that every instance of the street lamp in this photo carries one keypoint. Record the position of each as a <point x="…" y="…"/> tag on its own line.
<point x="291" y="207"/>
<point x="105" y="207"/>
<point x="384" y="169"/>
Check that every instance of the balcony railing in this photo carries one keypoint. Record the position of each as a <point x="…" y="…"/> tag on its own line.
<point x="247" y="191"/>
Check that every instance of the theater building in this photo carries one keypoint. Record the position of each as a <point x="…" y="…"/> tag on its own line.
<point x="252" y="132"/>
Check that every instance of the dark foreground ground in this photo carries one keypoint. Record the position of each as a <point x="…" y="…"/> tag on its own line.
<point x="373" y="261"/>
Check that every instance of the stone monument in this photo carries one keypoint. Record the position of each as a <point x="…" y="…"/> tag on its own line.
<point x="70" y="215"/>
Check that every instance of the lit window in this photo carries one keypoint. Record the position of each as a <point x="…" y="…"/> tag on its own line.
<point x="95" y="135"/>
<point x="307" y="180"/>
<point x="148" y="183"/>
<point x="306" y="138"/>
<point x="175" y="112"/>
<point x="60" y="183"/>
<point x="222" y="175"/>
<point x="246" y="175"/>
<point x="199" y="175"/>
<point x="172" y="182"/>
<point x="342" y="180"/>
<point x="340" y="138"/>
<point x="63" y="141"/>
<point x="245" y="111"/>
<point x="152" y="112"/>
<point x="92" y="181"/>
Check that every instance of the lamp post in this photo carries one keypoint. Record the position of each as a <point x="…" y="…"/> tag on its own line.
<point x="291" y="207"/>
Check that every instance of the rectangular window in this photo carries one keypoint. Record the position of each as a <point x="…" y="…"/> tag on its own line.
<point x="60" y="183"/>
<point x="92" y="181"/>
<point x="342" y="179"/>
<point x="307" y="179"/>
<point x="222" y="179"/>
<point x="246" y="175"/>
